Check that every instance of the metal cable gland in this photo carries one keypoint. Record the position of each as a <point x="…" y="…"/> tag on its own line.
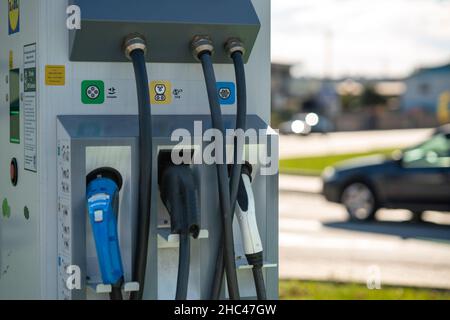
<point x="234" y="45"/>
<point x="201" y="44"/>
<point x="133" y="42"/>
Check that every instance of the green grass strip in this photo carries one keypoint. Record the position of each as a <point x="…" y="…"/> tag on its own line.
<point x="313" y="166"/>
<point x="315" y="290"/>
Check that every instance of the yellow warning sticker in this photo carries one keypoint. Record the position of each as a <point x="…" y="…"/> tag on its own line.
<point x="11" y="60"/>
<point x="55" y="75"/>
<point x="160" y="92"/>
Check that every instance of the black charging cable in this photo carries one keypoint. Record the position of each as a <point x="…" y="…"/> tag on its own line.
<point x="135" y="50"/>
<point x="236" y="50"/>
<point x="116" y="290"/>
<point x="203" y="49"/>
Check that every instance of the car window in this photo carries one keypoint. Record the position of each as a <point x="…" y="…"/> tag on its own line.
<point x="433" y="153"/>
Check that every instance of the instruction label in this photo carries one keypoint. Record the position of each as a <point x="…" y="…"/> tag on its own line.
<point x="55" y="75"/>
<point x="29" y="106"/>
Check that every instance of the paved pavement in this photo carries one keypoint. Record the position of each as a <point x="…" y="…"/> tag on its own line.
<point x="317" y="242"/>
<point x="301" y="184"/>
<point x="345" y="142"/>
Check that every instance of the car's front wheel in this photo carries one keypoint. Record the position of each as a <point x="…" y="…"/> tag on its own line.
<point x="360" y="202"/>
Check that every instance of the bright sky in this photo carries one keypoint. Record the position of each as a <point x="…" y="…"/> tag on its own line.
<point x="360" y="37"/>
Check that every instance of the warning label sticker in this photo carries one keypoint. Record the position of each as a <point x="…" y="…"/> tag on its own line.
<point x="55" y="75"/>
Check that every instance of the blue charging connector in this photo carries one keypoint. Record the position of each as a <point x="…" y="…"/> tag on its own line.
<point x="102" y="201"/>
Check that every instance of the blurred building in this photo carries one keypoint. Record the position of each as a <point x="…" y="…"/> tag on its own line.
<point x="304" y="87"/>
<point x="358" y="103"/>
<point x="281" y="78"/>
<point x="425" y="87"/>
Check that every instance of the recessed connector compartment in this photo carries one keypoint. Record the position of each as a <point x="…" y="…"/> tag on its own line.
<point x="168" y="26"/>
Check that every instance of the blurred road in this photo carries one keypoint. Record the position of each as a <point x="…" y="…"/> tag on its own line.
<point x="317" y="242"/>
<point x="347" y="142"/>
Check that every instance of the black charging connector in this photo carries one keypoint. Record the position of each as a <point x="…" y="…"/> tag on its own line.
<point x="178" y="191"/>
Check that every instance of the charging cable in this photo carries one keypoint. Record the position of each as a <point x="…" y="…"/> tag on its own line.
<point x="203" y="49"/>
<point x="235" y="49"/>
<point x="135" y="48"/>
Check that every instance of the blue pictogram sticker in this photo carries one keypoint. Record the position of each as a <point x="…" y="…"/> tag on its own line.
<point x="226" y="92"/>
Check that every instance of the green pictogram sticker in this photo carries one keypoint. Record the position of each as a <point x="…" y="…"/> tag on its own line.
<point x="93" y="92"/>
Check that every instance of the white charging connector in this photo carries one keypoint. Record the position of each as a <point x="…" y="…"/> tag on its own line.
<point x="246" y="214"/>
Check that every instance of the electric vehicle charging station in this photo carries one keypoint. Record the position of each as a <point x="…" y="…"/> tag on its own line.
<point x="68" y="107"/>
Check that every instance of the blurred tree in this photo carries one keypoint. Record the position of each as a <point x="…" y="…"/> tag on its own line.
<point x="370" y="97"/>
<point x="372" y="101"/>
<point x="350" y="102"/>
<point x="310" y="104"/>
<point x="281" y="116"/>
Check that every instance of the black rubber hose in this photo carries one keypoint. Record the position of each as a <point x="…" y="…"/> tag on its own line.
<point x="241" y="123"/>
<point x="257" y="261"/>
<point x="145" y="170"/>
<point x="222" y="175"/>
<point x="183" y="266"/>
<point x="116" y="291"/>
<point x="259" y="282"/>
